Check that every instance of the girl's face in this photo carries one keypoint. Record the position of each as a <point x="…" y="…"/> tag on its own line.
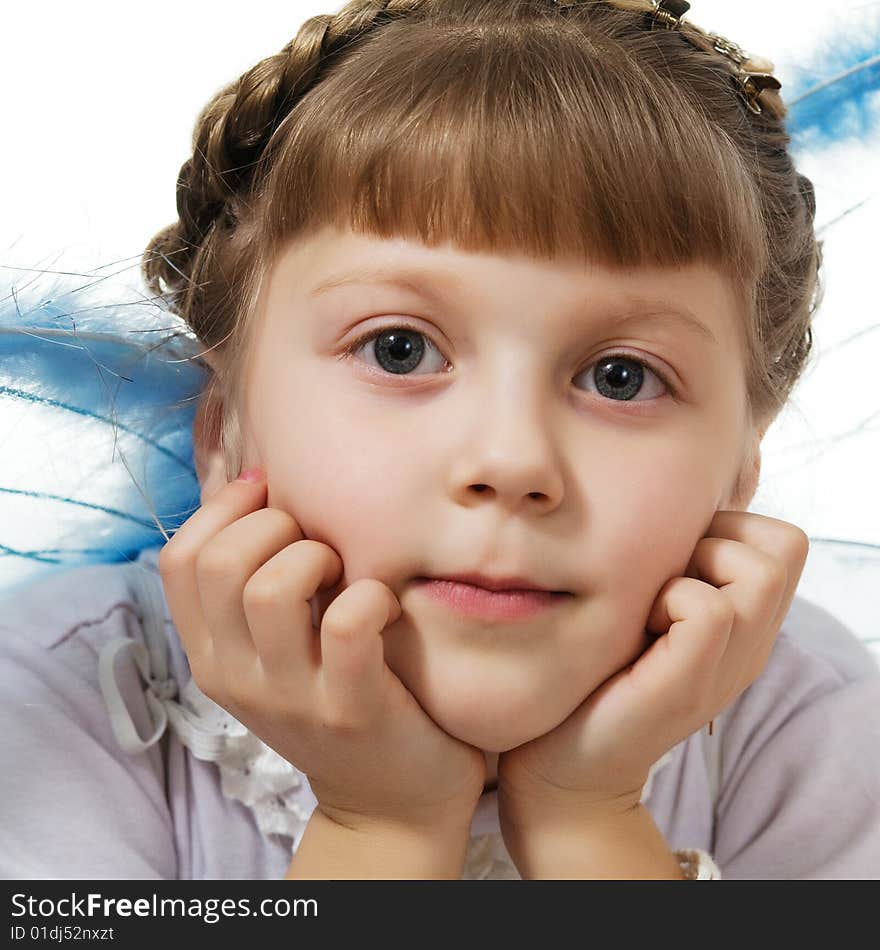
<point x="495" y="435"/>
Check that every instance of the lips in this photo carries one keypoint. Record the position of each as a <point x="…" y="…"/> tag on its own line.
<point x="504" y="604"/>
<point x="509" y="584"/>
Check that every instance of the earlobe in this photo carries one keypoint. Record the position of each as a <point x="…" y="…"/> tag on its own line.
<point x="747" y="480"/>
<point x="209" y="456"/>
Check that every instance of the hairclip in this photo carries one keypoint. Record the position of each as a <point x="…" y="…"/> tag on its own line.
<point x="752" y="74"/>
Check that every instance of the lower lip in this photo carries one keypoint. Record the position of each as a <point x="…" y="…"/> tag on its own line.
<point x="491" y="604"/>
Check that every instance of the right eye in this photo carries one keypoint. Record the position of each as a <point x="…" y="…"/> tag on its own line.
<point x="397" y="349"/>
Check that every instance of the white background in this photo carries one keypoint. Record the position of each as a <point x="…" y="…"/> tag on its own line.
<point x="99" y="101"/>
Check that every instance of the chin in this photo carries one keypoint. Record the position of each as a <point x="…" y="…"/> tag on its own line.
<point x="479" y="691"/>
<point x="490" y="738"/>
<point x="496" y="727"/>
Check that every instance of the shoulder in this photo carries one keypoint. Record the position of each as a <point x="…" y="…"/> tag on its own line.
<point x="816" y="661"/>
<point x="802" y="743"/>
<point x="817" y="635"/>
<point x="814" y="655"/>
<point x="55" y="607"/>
<point x="63" y="620"/>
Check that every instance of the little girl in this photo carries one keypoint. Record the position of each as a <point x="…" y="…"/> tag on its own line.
<point x="499" y="298"/>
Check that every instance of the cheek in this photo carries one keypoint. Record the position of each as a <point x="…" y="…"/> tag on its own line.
<point x="654" y="518"/>
<point x="338" y="481"/>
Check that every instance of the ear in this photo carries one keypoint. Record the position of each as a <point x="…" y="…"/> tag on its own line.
<point x="208" y="449"/>
<point x="746" y="482"/>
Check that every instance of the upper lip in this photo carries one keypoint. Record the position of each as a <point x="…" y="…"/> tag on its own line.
<point x="496" y="583"/>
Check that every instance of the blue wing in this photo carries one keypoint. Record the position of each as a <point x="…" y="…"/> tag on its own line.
<point x="96" y="419"/>
<point x="834" y="94"/>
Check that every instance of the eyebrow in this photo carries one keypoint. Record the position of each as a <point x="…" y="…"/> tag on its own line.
<point x="633" y="309"/>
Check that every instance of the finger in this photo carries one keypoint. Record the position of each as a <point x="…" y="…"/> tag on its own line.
<point x="279" y="616"/>
<point x="779" y="539"/>
<point x="352" y="649"/>
<point x="177" y="567"/>
<point x="755" y="582"/>
<point x="225" y="567"/>
<point x="678" y="671"/>
<point x="686" y="604"/>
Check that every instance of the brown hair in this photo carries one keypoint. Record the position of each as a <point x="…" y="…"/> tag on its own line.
<point x="541" y="127"/>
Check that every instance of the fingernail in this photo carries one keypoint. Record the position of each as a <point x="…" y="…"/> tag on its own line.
<point x="252" y="475"/>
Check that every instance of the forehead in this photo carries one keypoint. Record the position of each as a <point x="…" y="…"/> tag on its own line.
<point x="333" y="264"/>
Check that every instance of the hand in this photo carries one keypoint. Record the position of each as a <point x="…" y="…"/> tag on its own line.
<point x="238" y="577"/>
<point x="709" y="635"/>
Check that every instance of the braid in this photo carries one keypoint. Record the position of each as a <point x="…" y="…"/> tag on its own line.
<point x="234" y="129"/>
<point x="231" y="135"/>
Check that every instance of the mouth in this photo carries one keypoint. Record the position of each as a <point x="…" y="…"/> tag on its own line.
<point x="504" y="603"/>
<point x="516" y="584"/>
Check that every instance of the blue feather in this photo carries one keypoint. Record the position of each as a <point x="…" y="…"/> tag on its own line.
<point x="835" y="95"/>
<point x="96" y="404"/>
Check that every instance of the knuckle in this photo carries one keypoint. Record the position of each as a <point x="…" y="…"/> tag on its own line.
<point x="339" y="623"/>
<point x="275" y="523"/>
<point x="341" y="722"/>
<point x="262" y="591"/>
<point x="288" y="523"/>
<point x="365" y="602"/>
<point x="799" y="544"/>
<point x="306" y="561"/>
<point x="170" y="560"/>
<point x="777" y="575"/>
<point x="720" y="608"/>
<point x="353" y="610"/>
<point x="319" y="554"/>
<point x="360" y="595"/>
<point x="205" y="680"/>
<point x="309" y="548"/>
<point x="217" y="561"/>
<point x="360" y="589"/>
<point x="370" y="591"/>
<point x="771" y="577"/>
<point x="792" y="542"/>
<point x="236" y="694"/>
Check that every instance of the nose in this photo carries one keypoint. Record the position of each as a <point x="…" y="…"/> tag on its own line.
<point x="508" y="454"/>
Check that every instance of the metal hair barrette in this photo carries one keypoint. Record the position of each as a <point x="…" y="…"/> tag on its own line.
<point x="754" y="74"/>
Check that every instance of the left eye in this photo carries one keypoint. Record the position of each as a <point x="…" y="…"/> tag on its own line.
<point x="620" y="377"/>
<point x="397" y="350"/>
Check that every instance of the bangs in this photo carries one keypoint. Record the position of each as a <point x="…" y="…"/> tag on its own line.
<point x="520" y="137"/>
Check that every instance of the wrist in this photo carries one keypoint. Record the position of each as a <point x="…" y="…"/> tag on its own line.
<point x="379" y="848"/>
<point x="437" y="820"/>
<point x="549" y="811"/>
<point x="612" y="843"/>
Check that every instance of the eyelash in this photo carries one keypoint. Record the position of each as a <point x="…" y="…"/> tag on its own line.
<point x="351" y="350"/>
